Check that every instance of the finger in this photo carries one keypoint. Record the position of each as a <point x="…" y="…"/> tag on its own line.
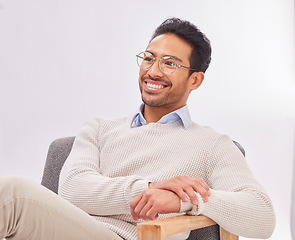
<point x="204" y="194"/>
<point x="133" y="205"/>
<point x="146" y="208"/>
<point x="205" y="186"/>
<point x="134" y="216"/>
<point x="135" y="201"/>
<point x="179" y="191"/>
<point x="152" y="213"/>
<point x="183" y="187"/>
<point x="158" y="205"/>
<point x="192" y="195"/>
<point x="201" y="187"/>
<point x="142" y="207"/>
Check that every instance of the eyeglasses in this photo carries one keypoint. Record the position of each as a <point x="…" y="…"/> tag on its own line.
<point x="167" y="64"/>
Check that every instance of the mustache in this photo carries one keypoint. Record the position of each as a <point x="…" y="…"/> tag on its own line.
<point x="156" y="79"/>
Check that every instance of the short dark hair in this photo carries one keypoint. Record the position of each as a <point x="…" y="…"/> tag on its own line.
<point x="201" y="54"/>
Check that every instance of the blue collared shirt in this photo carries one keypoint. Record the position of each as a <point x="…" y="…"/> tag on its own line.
<point x="181" y="113"/>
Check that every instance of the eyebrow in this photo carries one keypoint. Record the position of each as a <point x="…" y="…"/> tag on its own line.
<point x="177" y="58"/>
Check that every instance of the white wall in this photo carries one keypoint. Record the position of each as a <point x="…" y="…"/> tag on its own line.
<point x="64" y="62"/>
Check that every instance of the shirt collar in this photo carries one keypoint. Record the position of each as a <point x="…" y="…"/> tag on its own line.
<point x="181" y="113"/>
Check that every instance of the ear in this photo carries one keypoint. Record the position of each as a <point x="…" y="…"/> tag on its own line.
<point x="196" y="80"/>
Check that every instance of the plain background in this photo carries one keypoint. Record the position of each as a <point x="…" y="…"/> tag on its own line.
<point x="63" y="62"/>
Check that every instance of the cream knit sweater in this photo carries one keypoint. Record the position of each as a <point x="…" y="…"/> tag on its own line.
<point x="111" y="163"/>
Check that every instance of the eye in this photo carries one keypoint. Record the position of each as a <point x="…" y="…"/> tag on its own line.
<point x="148" y="59"/>
<point x="170" y="63"/>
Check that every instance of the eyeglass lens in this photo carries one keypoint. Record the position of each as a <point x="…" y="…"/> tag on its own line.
<point x="167" y="64"/>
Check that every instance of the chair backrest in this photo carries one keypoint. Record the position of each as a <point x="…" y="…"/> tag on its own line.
<point x="58" y="152"/>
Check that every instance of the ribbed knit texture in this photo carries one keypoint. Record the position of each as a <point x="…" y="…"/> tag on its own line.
<point x="111" y="163"/>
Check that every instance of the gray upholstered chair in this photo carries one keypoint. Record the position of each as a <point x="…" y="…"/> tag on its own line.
<point x="59" y="151"/>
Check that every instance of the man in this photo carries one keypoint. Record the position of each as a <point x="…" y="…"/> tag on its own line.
<point x="154" y="164"/>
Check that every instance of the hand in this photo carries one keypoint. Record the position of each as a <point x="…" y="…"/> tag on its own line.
<point x="152" y="202"/>
<point x="185" y="187"/>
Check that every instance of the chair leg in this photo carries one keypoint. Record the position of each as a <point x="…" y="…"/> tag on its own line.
<point x="148" y="232"/>
<point x="225" y="235"/>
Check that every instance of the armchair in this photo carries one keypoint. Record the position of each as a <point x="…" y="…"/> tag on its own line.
<point x="202" y="227"/>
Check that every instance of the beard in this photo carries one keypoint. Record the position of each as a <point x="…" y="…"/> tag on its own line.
<point x="155" y="102"/>
<point x="170" y="97"/>
<point x="150" y="98"/>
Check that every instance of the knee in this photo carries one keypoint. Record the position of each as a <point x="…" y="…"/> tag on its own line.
<point x="14" y="185"/>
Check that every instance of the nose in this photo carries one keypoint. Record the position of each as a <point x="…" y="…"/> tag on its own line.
<point x="155" y="71"/>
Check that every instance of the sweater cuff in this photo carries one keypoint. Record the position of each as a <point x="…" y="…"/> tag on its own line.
<point x="138" y="187"/>
<point x="191" y="209"/>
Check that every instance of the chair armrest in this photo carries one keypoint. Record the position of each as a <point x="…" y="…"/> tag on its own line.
<point x="160" y="229"/>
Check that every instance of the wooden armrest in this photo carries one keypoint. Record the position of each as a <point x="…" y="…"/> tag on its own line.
<point x="160" y="229"/>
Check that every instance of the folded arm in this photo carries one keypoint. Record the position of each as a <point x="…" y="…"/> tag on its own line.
<point x="82" y="183"/>
<point x="236" y="201"/>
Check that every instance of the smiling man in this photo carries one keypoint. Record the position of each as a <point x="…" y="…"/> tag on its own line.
<point x="154" y="164"/>
<point x="160" y="84"/>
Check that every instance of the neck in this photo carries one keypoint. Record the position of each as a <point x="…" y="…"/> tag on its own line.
<point x="154" y="114"/>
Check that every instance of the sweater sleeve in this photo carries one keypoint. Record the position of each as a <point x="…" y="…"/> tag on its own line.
<point x="238" y="203"/>
<point x="82" y="183"/>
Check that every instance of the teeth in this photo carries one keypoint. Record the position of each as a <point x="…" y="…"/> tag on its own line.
<point x="154" y="86"/>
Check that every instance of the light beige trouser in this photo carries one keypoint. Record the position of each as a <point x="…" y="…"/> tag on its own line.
<point x="29" y="211"/>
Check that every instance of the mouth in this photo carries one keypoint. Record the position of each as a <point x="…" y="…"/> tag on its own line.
<point x="154" y="86"/>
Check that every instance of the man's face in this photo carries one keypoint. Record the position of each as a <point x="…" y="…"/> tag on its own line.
<point x="163" y="90"/>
